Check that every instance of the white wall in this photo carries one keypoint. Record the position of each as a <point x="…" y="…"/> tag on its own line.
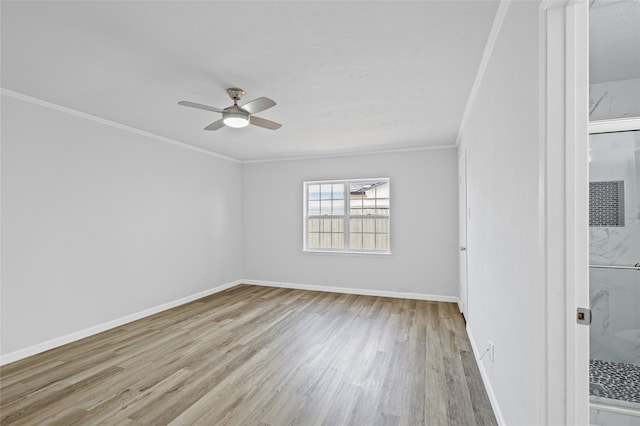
<point x="99" y="223"/>
<point x="505" y="292"/>
<point x="423" y="223"/>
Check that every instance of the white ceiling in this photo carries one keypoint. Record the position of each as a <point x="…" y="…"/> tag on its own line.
<point x="347" y="76"/>
<point x="614" y="40"/>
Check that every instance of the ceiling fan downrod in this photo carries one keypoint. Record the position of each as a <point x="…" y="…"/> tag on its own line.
<point x="235" y="94"/>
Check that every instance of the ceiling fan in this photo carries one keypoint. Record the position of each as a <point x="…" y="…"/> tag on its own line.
<point x="238" y="115"/>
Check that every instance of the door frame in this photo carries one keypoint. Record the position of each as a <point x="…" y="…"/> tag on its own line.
<point x="563" y="208"/>
<point x="463" y="223"/>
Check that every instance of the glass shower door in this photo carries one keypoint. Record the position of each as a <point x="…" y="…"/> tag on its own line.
<point x="614" y="272"/>
<point x="615" y="336"/>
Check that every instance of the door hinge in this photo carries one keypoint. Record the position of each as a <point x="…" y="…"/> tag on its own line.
<point x="583" y="316"/>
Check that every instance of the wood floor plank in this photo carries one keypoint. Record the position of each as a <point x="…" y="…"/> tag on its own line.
<point x="435" y="374"/>
<point x="414" y="403"/>
<point x="479" y="398"/>
<point x="265" y="356"/>
<point x="55" y="401"/>
<point x="459" y="408"/>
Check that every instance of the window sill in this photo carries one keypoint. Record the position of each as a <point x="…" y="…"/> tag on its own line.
<point x="349" y="253"/>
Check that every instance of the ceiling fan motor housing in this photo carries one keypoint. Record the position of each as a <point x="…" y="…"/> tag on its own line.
<point x="234" y="116"/>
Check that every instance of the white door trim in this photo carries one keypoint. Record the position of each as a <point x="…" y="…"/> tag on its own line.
<point x="563" y="203"/>
<point x="462" y="234"/>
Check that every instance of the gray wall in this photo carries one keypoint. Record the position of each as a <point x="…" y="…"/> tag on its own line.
<point x="100" y="223"/>
<point x="423" y="223"/>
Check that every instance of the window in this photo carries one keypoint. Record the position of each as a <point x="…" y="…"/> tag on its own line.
<point x="347" y="216"/>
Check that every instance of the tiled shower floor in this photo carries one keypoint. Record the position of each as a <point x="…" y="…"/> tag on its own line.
<point x="614" y="380"/>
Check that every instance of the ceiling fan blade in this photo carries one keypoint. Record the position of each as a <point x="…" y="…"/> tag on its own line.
<point x="200" y="106"/>
<point x="215" y="125"/>
<point x="267" y="124"/>
<point x="258" y="105"/>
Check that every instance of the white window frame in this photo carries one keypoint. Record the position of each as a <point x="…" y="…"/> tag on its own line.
<point x="347" y="219"/>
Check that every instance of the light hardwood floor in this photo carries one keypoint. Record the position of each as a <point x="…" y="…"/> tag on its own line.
<point x="260" y="356"/>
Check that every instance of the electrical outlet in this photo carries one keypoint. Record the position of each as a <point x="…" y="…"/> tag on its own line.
<point x="492" y="351"/>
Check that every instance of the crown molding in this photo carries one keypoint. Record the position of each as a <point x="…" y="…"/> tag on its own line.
<point x="351" y="154"/>
<point x="103" y="121"/>
<point x="501" y="13"/>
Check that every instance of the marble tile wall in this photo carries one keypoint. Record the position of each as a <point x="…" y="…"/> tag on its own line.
<point x="614" y="99"/>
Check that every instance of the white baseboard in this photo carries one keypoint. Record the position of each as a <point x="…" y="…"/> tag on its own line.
<point x="359" y="291"/>
<point x="72" y="337"/>
<point x="485" y="380"/>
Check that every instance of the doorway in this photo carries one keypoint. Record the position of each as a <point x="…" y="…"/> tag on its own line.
<point x="462" y="218"/>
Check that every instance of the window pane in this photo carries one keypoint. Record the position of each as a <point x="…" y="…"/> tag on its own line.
<point x="326" y="225"/>
<point x="384" y="202"/>
<point x="325" y="191"/>
<point x="325" y="207"/>
<point x="338" y="240"/>
<point x="369" y="203"/>
<point x="368" y="225"/>
<point x="314" y="192"/>
<point x="337" y="225"/>
<point x="368" y="241"/>
<point x="382" y="241"/>
<point x="356" y="188"/>
<point x="356" y="225"/>
<point x="338" y="191"/>
<point x="355" y="241"/>
<point x="325" y="240"/>
<point x="382" y="225"/>
<point x="314" y="240"/>
<point x="355" y="201"/>
<point x="338" y="207"/>
<point x="382" y="191"/>
<point x="313" y="225"/>
<point x="314" y="208"/>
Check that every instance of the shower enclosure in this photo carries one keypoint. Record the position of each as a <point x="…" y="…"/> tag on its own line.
<point x="614" y="257"/>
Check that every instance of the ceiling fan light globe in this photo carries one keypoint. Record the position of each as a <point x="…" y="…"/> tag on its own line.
<point x="236" y="119"/>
